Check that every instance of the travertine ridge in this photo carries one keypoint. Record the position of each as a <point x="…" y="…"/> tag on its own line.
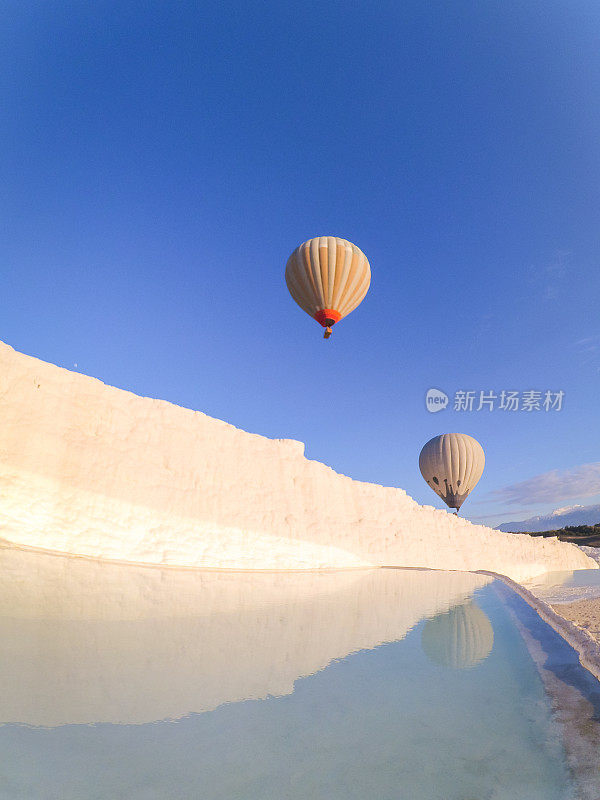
<point x="92" y="470"/>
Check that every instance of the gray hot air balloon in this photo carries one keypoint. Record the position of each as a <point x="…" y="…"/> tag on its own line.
<point x="463" y="637"/>
<point x="452" y="464"/>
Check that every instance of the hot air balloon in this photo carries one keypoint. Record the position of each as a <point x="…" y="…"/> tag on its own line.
<point x="462" y="637"/>
<point x="328" y="277"/>
<point x="452" y="465"/>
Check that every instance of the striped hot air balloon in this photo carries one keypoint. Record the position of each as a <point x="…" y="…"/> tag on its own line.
<point x="328" y="277"/>
<point x="452" y="465"/>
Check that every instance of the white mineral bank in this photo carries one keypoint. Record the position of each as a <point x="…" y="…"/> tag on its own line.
<point x="87" y="641"/>
<point x="92" y="470"/>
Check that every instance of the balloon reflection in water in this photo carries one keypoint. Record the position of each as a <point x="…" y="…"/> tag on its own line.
<point x="462" y="637"/>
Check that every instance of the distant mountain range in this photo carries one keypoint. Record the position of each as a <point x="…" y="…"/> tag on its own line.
<point x="570" y="515"/>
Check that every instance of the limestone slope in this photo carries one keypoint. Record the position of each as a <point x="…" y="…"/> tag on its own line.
<point x="89" y="469"/>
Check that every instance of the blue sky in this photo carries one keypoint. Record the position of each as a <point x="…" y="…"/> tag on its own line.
<point x="161" y="161"/>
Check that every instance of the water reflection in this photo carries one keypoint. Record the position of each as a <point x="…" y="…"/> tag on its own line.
<point x="460" y="638"/>
<point x="87" y="642"/>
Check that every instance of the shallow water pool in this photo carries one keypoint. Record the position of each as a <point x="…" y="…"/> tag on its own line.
<point x="144" y="683"/>
<point x="566" y="587"/>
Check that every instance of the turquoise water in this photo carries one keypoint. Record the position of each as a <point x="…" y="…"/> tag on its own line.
<point x="387" y="684"/>
<point x="567" y="587"/>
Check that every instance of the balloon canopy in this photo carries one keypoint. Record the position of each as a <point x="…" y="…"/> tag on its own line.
<point x="328" y="277"/>
<point x="452" y="464"/>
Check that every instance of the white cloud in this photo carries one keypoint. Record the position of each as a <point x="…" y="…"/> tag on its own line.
<point x="550" y="487"/>
<point x="552" y="274"/>
<point x="494" y="515"/>
<point x="588" y="350"/>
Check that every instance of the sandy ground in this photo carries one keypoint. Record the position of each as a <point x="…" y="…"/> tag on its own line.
<point x="584" y="613"/>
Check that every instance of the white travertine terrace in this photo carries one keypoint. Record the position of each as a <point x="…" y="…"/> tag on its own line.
<point x="129" y="644"/>
<point x="91" y="470"/>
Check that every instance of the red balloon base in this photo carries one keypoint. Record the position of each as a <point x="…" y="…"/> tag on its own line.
<point x="327" y="317"/>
